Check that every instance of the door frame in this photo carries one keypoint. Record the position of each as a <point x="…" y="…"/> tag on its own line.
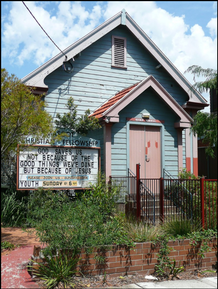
<point x="161" y="137"/>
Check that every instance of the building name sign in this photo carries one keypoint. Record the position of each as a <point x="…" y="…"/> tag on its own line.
<point x="58" y="167"/>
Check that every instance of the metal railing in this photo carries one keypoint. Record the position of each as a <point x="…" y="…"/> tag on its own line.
<point x="193" y="199"/>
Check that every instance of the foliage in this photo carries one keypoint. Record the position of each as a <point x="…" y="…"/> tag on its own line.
<point x="185" y="175"/>
<point x="164" y="266"/>
<point x="174" y="227"/>
<point x="7" y="245"/>
<point x="103" y="195"/>
<point x="205" y="125"/>
<point x="71" y="123"/>
<point x="57" y="270"/>
<point x="199" y="240"/>
<point x="13" y="210"/>
<point x="61" y="223"/>
<point x="142" y="232"/>
<point x="211" y="78"/>
<point x="22" y="114"/>
<point x="41" y="202"/>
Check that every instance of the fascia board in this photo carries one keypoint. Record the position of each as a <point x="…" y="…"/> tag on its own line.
<point x="36" y="78"/>
<point x="163" y="60"/>
<point x="150" y="81"/>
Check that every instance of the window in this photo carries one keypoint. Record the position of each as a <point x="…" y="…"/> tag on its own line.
<point x="118" y="52"/>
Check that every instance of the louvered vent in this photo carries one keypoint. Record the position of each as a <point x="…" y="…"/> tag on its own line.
<point x="119" y="52"/>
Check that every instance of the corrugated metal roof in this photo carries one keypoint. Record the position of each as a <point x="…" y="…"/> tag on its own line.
<point x="98" y="113"/>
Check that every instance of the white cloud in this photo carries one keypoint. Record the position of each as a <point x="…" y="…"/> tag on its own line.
<point x="23" y="40"/>
<point x="212" y="25"/>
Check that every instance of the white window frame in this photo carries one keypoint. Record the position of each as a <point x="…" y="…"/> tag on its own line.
<point x="113" y="52"/>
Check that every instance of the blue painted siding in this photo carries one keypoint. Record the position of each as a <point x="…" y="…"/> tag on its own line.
<point x="94" y="81"/>
<point x="150" y="102"/>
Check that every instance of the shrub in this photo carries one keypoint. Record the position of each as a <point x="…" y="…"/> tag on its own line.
<point x="13" y="210"/>
<point x="41" y="202"/>
<point x="57" y="270"/>
<point x="142" y="232"/>
<point x="103" y="195"/>
<point x="61" y="223"/>
<point x="179" y="227"/>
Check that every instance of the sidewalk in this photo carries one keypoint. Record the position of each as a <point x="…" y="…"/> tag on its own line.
<point x="13" y="269"/>
<point x="210" y="282"/>
<point x="15" y="275"/>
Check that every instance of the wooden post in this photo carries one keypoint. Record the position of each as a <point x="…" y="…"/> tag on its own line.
<point x="202" y="203"/>
<point x="161" y="199"/>
<point x="138" y="206"/>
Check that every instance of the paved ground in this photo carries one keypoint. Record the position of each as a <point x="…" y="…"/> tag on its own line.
<point x="210" y="282"/>
<point x="13" y="269"/>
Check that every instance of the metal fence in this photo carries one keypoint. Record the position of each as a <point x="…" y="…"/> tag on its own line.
<point x="155" y="200"/>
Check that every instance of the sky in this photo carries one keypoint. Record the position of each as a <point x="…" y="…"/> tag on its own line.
<point x="185" y="31"/>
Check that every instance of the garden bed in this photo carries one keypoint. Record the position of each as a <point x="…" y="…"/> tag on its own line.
<point x="121" y="261"/>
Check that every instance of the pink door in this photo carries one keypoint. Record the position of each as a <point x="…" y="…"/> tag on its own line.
<point x="145" y="148"/>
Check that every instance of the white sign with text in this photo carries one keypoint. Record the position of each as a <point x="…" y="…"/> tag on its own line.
<point x="57" y="167"/>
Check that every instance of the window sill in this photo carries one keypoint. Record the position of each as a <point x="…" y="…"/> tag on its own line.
<point x="122" y="67"/>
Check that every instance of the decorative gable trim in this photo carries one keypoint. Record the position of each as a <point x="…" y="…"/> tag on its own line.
<point x="36" y="78"/>
<point x="112" y="111"/>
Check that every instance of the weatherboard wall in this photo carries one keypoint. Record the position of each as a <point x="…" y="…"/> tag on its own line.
<point x="93" y="81"/>
<point x="149" y="102"/>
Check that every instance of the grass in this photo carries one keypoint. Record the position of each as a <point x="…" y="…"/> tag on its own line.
<point x="179" y="227"/>
<point x="7" y="246"/>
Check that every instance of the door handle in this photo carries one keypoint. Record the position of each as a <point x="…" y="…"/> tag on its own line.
<point x="147" y="159"/>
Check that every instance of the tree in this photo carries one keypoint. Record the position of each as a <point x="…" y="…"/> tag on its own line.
<point x="69" y="121"/>
<point x="205" y="124"/>
<point x="211" y="78"/>
<point x="22" y="115"/>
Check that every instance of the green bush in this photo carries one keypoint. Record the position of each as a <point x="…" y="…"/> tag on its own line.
<point x="57" y="270"/>
<point x="13" y="209"/>
<point x="104" y="195"/>
<point x="84" y="222"/>
<point x="179" y="227"/>
<point x="41" y="202"/>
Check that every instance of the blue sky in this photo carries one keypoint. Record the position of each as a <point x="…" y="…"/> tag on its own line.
<point x="186" y="31"/>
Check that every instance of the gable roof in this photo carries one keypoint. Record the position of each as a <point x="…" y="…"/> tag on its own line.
<point x="36" y="78"/>
<point x="98" y="113"/>
<point x="114" y="105"/>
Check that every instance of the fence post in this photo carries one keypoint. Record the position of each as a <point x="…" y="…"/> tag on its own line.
<point x="138" y="205"/>
<point x="109" y="182"/>
<point x="202" y="202"/>
<point x="161" y="199"/>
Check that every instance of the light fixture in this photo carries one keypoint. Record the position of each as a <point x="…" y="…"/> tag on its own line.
<point x="107" y="119"/>
<point x="158" y="66"/>
<point x="68" y="65"/>
<point x="146" y="115"/>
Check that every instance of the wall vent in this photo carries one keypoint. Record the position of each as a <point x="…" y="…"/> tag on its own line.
<point x="118" y="51"/>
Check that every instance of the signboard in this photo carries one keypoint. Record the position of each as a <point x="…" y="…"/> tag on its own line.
<point x="57" y="167"/>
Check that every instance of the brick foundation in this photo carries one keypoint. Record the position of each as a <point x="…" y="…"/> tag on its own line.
<point x="142" y="258"/>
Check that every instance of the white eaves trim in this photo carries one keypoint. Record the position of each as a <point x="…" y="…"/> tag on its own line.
<point x="36" y="78"/>
<point x="113" y="111"/>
